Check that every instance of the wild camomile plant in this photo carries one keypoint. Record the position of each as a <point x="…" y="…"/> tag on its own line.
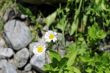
<point x="39" y="48"/>
<point x="50" y="36"/>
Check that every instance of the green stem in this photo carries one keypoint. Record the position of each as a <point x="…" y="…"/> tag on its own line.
<point x="77" y="13"/>
<point x="64" y="43"/>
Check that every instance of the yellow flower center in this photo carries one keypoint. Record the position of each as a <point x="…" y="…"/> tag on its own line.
<point x="39" y="49"/>
<point x="51" y="36"/>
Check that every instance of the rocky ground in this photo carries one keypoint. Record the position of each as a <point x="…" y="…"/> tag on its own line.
<point x="16" y="46"/>
<point x="15" y="55"/>
<point x="77" y="39"/>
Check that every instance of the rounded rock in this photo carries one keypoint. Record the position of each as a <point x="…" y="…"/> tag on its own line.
<point x="21" y="57"/>
<point x="6" y="52"/>
<point x="17" y="34"/>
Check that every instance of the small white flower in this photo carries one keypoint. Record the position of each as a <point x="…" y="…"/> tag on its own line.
<point x="50" y="36"/>
<point x="39" y="48"/>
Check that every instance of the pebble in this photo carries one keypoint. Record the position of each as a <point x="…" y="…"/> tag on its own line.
<point x="21" y="57"/>
<point x="6" y="52"/>
<point x="38" y="62"/>
<point x="28" y="67"/>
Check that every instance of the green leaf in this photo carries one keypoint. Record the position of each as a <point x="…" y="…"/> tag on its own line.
<point x="54" y="55"/>
<point x="51" y="18"/>
<point x="72" y="58"/>
<point x="107" y="70"/>
<point x="47" y="67"/>
<point x="97" y="1"/>
<point x="63" y="62"/>
<point x="89" y="70"/>
<point x="84" y="22"/>
<point x="101" y="34"/>
<point x="96" y="33"/>
<point x="62" y="23"/>
<point x="74" y="27"/>
<point x="76" y="70"/>
<point x="72" y="55"/>
<point x="70" y="69"/>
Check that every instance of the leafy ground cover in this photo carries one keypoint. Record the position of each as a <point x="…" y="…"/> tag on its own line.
<point x="85" y="29"/>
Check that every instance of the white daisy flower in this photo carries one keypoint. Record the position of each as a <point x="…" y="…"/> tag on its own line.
<point x="39" y="48"/>
<point x="50" y="36"/>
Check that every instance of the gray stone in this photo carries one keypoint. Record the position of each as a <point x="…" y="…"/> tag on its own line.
<point x="30" y="72"/>
<point x="17" y="34"/>
<point x="2" y="42"/>
<point x="7" y="67"/>
<point x="47" y="58"/>
<point x="6" y="52"/>
<point x="28" y="67"/>
<point x="1" y="71"/>
<point x="21" y="57"/>
<point x="11" y="61"/>
<point x="2" y="63"/>
<point x="31" y="46"/>
<point x="38" y="61"/>
<point x="19" y="71"/>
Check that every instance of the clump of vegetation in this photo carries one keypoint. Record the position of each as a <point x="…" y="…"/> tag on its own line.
<point x="85" y="25"/>
<point x="87" y="22"/>
<point x="4" y="5"/>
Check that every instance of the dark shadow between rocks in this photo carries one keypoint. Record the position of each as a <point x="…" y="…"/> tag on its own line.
<point x="45" y="9"/>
